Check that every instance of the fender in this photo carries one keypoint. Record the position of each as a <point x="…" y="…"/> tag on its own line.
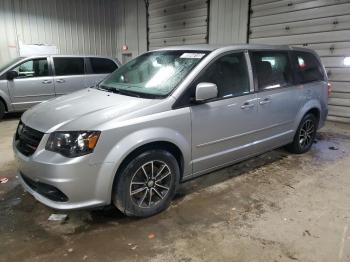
<point x="137" y="139"/>
<point x="313" y="103"/>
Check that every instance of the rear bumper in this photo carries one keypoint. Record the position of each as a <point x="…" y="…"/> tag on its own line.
<point x="323" y="118"/>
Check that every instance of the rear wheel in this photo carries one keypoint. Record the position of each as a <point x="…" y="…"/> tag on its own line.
<point x="147" y="184"/>
<point x="304" y="136"/>
<point x="2" y="110"/>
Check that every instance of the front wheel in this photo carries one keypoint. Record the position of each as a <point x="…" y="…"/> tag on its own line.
<point x="147" y="184"/>
<point x="2" y="109"/>
<point x="304" y="136"/>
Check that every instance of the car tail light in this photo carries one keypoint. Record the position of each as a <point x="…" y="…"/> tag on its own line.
<point x="329" y="85"/>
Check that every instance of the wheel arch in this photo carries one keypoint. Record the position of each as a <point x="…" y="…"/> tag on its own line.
<point x="162" y="145"/>
<point x="140" y="141"/>
<point x="316" y="112"/>
<point x="5" y="100"/>
<point x="312" y="106"/>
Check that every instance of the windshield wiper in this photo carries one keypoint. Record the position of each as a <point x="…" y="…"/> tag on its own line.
<point x="127" y="92"/>
<point x="118" y="91"/>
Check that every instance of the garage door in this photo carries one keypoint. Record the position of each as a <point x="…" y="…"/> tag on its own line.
<point x="323" y="25"/>
<point x="177" y="22"/>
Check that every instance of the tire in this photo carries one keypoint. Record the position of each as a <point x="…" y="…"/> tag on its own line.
<point x="304" y="136"/>
<point x="137" y="193"/>
<point x="2" y="110"/>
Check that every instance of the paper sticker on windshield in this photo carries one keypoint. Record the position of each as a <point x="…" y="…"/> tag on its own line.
<point x="192" y="55"/>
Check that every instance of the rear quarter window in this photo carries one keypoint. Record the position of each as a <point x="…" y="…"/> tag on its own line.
<point x="308" y="67"/>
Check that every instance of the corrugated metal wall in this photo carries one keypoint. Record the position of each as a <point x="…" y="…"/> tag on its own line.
<point x="323" y="25"/>
<point x="180" y="22"/>
<point x="228" y="21"/>
<point x="131" y="27"/>
<point x="97" y="27"/>
<point x="177" y="22"/>
<point x="8" y="39"/>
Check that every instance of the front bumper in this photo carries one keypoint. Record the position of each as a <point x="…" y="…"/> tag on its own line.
<point x="79" y="183"/>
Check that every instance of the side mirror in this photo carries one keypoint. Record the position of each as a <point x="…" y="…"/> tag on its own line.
<point x="205" y="91"/>
<point x="10" y="75"/>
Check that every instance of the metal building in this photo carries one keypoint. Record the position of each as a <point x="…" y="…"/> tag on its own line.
<point x="75" y="27"/>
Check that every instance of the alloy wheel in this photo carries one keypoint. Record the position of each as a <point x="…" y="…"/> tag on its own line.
<point x="150" y="184"/>
<point x="306" y="133"/>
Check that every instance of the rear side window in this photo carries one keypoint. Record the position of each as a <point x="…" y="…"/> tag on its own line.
<point x="68" y="66"/>
<point x="102" y="65"/>
<point x="272" y="69"/>
<point x="308" y="67"/>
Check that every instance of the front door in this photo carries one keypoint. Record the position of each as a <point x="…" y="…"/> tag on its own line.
<point x="223" y="130"/>
<point x="33" y="85"/>
<point x="279" y="98"/>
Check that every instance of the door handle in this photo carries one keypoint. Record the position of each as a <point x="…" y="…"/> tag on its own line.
<point x="60" y="81"/>
<point x="265" y="101"/>
<point x="247" y="105"/>
<point x="47" y="82"/>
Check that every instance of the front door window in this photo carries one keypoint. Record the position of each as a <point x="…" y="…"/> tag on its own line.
<point x="230" y="74"/>
<point x="33" y="68"/>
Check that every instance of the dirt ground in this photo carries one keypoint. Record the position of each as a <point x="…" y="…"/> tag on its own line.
<point x="275" y="207"/>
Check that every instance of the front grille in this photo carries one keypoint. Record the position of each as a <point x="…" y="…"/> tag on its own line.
<point x="27" y="139"/>
<point x="46" y="190"/>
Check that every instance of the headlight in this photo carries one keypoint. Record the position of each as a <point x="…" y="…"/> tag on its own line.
<point x="73" y="144"/>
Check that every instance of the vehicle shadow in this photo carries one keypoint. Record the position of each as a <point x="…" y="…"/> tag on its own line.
<point x="229" y="172"/>
<point x="106" y="214"/>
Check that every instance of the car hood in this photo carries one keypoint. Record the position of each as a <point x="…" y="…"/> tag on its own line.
<point x="83" y="110"/>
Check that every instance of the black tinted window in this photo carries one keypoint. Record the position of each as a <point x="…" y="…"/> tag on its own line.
<point x="68" y="66"/>
<point x="272" y="69"/>
<point x="308" y="67"/>
<point x="33" y="68"/>
<point x="230" y="75"/>
<point x="102" y="65"/>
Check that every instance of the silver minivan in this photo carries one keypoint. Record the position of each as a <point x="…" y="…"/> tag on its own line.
<point x="166" y="117"/>
<point x="27" y="81"/>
